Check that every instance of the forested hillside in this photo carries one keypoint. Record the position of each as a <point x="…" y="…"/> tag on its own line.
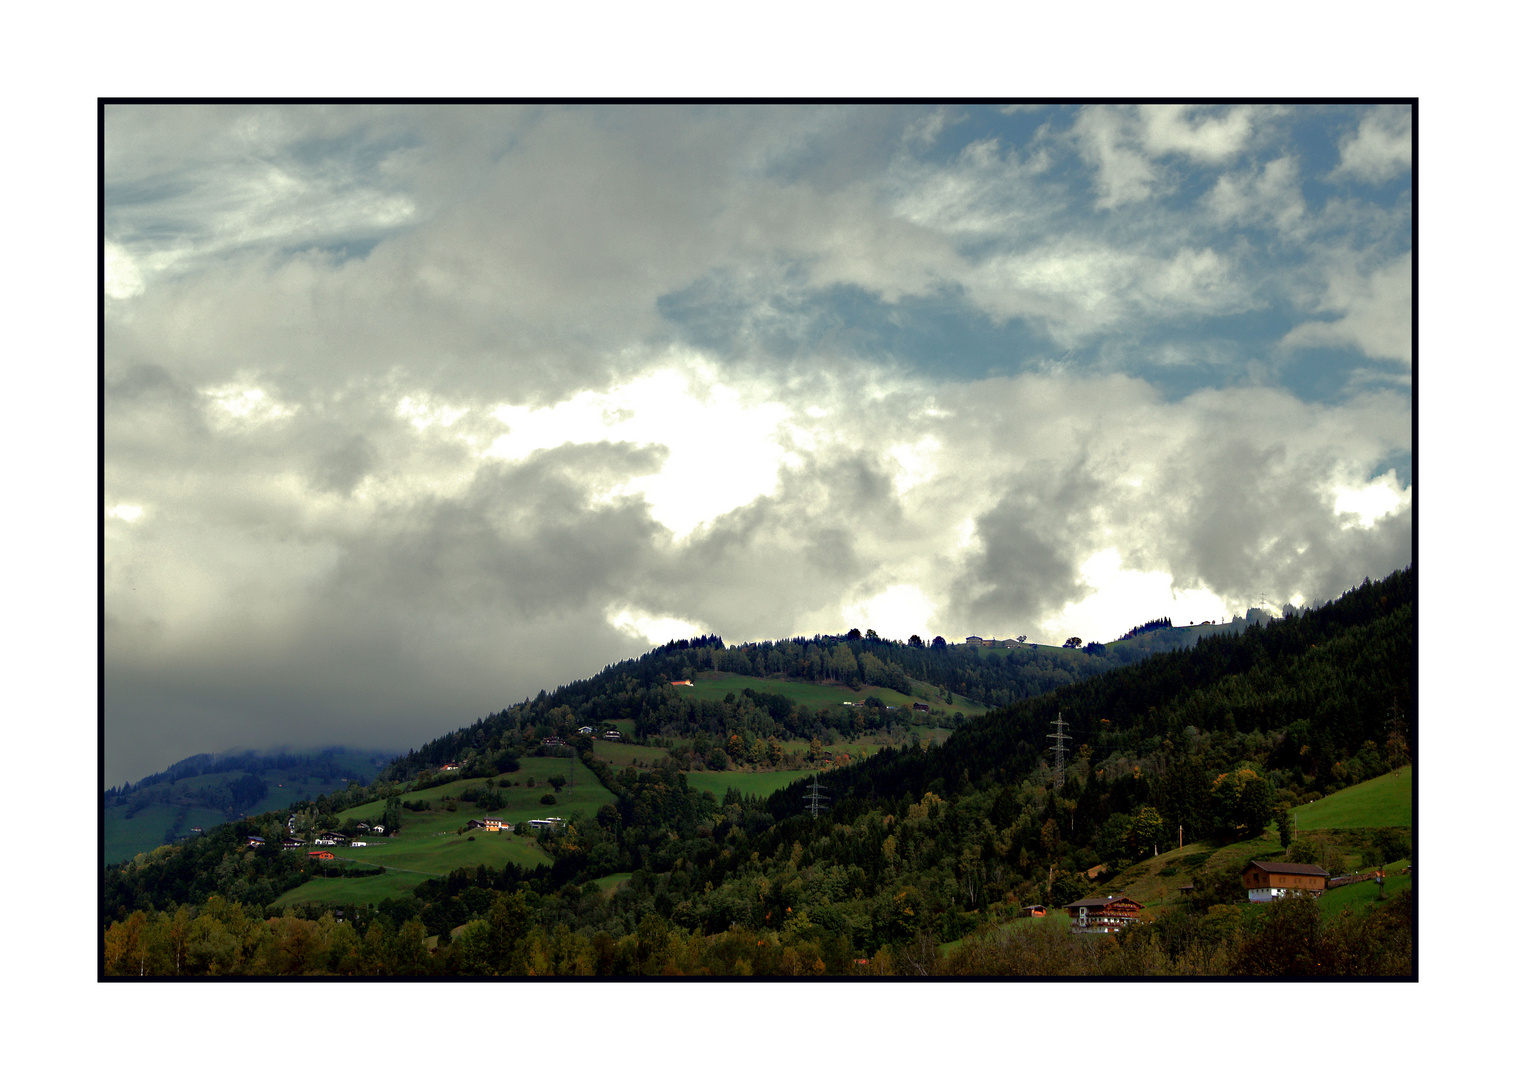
<point x="893" y="854"/>
<point x="642" y="691"/>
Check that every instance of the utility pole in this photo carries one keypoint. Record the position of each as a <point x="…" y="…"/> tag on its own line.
<point x="815" y="798"/>
<point x="1058" y="740"/>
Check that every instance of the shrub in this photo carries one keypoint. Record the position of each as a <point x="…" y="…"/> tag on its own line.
<point x="549" y="799"/>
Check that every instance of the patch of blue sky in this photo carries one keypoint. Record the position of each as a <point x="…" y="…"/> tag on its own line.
<point x="970" y="124"/>
<point x="358" y="154"/>
<point x="1401" y="462"/>
<point x="145" y="191"/>
<point x="943" y="336"/>
<point x="939" y="335"/>
<point x="1332" y="375"/>
<point x="338" y="252"/>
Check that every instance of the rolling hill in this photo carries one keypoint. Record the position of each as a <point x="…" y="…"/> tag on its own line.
<point x="913" y="843"/>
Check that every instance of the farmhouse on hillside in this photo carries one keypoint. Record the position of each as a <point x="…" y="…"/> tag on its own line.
<point x="489" y="823"/>
<point x="1267" y="881"/>
<point x="1102" y="914"/>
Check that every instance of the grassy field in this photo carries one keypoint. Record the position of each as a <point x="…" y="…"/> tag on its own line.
<point x="440" y="853"/>
<point x="367" y="890"/>
<point x="620" y="755"/>
<point x="586" y="795"/>
<point x="611" y="882"/>
<point x="715" y="687"/>
<point x="1055" y="916"/>
<point x="429" y="844"/>
<point x="749" y="783"/>
<point x="1363" y="895"/>
<point x="412" y="857"/>
<point x="1384" y="800"/>
<point x="145" y="830"/>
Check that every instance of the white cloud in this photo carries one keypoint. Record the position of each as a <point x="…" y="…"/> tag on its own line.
<point x="1376" y="313"/>
<point x="1361" y="506"/>
<point x="1107" y="140"/>
<point x="122" y="278"/>
<point x="1381" y="147"/>
<point x="724" y="447"/>
<point x="1123" y="141"/>
<point x="1269" y="195"/>
<point x="248" y="404"/>
<point x="653" y="629"/>
<point x="1119" y="592"/>
<point x="897" y="613"/>
<point x="1174" y="129"/>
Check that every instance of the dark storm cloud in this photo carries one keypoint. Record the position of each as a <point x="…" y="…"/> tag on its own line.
<point x="1032" y="541"/>
<point x="524" y="538"/>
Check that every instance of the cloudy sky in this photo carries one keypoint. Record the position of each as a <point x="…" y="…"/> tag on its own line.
<point x="413" y="411"/>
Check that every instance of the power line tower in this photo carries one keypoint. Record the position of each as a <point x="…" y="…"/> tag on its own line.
<point x="1058" y="740"/>
<point x="814" y="797"/>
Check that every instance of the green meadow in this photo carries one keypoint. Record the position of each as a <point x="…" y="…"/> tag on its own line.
<point x="611" y="882"/>
<point x="748" y="783"/>
<point x="439" y="853"/>
<point x="1382" y="801"/>
<point x="1363" y="895"/>
<point x="367" y="890"/>
<point x="412" y="856"/>
<point x="715" y="687"/>
<point x="584" y="794"/>
<point x="619" y="754"/>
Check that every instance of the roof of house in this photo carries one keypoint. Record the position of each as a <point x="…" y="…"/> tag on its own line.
<point x="1101" y="901"/>
<point x="1289" y="868"/>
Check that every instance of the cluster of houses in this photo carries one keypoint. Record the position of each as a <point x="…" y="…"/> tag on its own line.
<point x="609" y="734"/>
<point x="329" y="838"/>
<point x="495" y="823"/>
<point x="1265" y="881"/>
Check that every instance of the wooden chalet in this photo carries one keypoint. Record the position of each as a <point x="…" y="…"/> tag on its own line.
<point x="320" y="855"/>
<point x="1267" y="881"/>
<point x="255" y="841"/>
<point x="1102" y="914"/>
<point x="489" y="823"/>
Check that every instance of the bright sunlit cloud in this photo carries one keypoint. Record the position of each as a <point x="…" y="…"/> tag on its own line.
<point x="723" y="448"/>
<point x="897" y="613"/>
<point x="1365" y="505"/>
<point x="1124" y="598"/>
<point x="653" y="629"/>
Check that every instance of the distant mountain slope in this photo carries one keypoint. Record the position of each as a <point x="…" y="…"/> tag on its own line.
<point x="206" y="790"/>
